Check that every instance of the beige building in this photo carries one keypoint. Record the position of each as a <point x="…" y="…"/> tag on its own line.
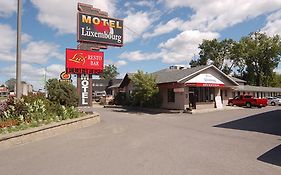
<point x="195" y="88"/>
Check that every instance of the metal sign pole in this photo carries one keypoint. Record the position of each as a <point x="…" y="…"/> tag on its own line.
<point x="18" y="61"/>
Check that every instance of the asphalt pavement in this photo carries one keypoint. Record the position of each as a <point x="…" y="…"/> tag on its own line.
<point x="235" y="142"/>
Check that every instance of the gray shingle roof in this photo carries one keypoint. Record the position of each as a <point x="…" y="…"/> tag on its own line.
<point x="248" y="88"/>
<point x="238" y="80"/>
<point x="174" y="75"/>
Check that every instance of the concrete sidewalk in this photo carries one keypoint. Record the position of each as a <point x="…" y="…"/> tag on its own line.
<point x="170" y="111"/>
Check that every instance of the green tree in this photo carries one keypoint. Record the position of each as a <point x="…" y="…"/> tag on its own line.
<point x="146" y="92"/>
<point x="109" y="72"/>
<point x="218" y="53"/>
<point x="261" y="54"/>
<point x="11" y="83"/>
<point x="276" y="80"/>
<point x="63" y="93"/>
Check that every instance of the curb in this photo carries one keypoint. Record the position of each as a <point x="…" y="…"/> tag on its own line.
<point x="152" y="110"/>
<point x="42" y="132"/>
<point x="202" y="111"/>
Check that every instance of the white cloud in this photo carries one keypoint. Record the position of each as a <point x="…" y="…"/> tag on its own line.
<point x="8" y="43"/>
<point x="165" y="28"/>
<point x="54" y="70"/>
<point x="136" y="24"/>
<point x="145" y="3"/>
<point x="40" y="52"/>
<point x="120" y="63"/>
<point x="184" y="46"/>
<point x="33" y="74"/>
<point x="139" y="56"/>
<point x="273" y="25"/>
<point x="219" y="14"/>
<point x="7" y="7"/>
<point x="61" y="15"/>
<point x="180" y="49"/>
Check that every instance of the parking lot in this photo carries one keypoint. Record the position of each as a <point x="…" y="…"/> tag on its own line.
<point x="243" y="141"/>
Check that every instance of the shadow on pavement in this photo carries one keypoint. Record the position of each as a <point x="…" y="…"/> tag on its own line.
<point x="272" y="156"/>
<point x="269" y="123"/>
<point x="142" y="111"/>
<point x="139" y="110"/>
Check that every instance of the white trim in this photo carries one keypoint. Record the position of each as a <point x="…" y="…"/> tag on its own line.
<point x="205" y="78"/>
<point x="207" y="68"/>
<point x="194" y="73"/>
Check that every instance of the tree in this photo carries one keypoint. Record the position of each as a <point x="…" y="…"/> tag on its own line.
<point x="109" y="72"/>
<point x="218" y="53"/>
<point x="261" y="54"/>
<point x="146" y="92"/>
<point x="276" y="80"/>
<point x="11" y="83"/>
<point x="63" y="93"/>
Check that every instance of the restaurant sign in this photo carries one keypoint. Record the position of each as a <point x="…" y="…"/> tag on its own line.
<point x="100" y="29"/>
<point x="205" y="80"/>
<point x="84" y="62"/>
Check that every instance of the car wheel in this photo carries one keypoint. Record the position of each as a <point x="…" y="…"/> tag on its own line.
<point x="230" y="104"/>
<point x="248" y="105"/>
<point x="273" y="103"/>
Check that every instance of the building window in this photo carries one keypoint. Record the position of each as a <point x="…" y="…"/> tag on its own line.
<point x="203" y="94"/>
<point x="225" y="93"/>
<point x="171" y="95"/>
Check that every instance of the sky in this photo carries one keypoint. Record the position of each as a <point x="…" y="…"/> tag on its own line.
<point x="157" y="33"/>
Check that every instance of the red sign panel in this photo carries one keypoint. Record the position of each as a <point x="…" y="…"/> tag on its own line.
<point x="84" y="62"/>
<point x="205" y="84"/>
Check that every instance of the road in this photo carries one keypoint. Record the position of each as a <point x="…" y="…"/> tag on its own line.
<point x="135" y="143"/>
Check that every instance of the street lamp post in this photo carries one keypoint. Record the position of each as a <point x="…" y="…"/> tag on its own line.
<point x="18" y="61"/>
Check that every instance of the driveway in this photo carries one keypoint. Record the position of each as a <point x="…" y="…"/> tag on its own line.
<point x="135" y="143"/>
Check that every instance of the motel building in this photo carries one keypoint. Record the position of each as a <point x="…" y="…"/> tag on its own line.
<point x="199" y="87"/>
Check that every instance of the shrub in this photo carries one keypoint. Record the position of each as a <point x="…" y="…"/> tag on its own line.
<point x="31" y="111"/>
<point x="146" y="91"/>
<point x="120" y="98"/>
<point x="63" y="93"/>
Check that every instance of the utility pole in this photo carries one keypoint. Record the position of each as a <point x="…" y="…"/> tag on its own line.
<point x="18" y="61"/>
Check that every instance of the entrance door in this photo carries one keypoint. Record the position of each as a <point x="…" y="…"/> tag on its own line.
<point x="192" y="100"/>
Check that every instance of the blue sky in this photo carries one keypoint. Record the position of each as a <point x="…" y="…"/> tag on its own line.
<point x="158" y="33"/>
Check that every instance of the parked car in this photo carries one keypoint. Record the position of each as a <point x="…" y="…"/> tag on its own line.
<point x="274" y="101"/>
<point x="97" y="95"/>
<point x="248" y="101"/>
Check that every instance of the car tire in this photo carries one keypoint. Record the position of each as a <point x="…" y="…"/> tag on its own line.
<point x="248" y="105"/>
<point x="230" y="104"/>
<point x="273" y="103"/>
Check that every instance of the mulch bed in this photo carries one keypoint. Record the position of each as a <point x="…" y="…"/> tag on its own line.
<point x="8" y="123"/>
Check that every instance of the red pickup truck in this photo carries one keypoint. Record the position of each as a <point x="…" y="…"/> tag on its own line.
<point x="248" y="101"/>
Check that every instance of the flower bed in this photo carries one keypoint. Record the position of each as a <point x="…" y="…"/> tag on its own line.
<point x="32" y="111"/>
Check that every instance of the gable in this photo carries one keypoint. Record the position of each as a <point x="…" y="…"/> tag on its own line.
<point x="218" y="77"/>
<point x="205" y="79"/>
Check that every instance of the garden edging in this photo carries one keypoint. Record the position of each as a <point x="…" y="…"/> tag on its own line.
<point x="45" y="131"/>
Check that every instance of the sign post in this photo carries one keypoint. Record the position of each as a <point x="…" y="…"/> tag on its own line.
<point x="95" y="31"/>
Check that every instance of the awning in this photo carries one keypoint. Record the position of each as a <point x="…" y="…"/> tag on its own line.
<point x="204" y="80"/>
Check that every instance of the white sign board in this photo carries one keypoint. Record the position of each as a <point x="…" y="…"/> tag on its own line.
<point x="207" y="79"/>
<point x="178" y="90"/>
<point x="218" y="102"/>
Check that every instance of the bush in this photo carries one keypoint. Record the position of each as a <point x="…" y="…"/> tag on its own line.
<point x="146" y="91"/>
<point x="63" y="93"/>
<point x="120" y="98"/>
<point x="31" y="111"/>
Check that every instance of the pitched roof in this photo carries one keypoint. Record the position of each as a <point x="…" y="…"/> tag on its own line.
<point x="248" y="88"/>
<point x="175" y="75"/>
<point x="238" y="80"/>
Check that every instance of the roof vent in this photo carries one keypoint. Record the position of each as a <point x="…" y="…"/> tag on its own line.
<point x="178" y="67"/>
